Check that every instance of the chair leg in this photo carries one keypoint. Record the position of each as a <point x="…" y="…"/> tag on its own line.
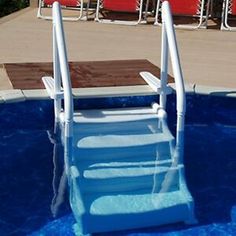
<point x="39" y="13"/>
<point x="87" y="9"/>
<point x="97" y="11"/>
<point x="157" y="22"/>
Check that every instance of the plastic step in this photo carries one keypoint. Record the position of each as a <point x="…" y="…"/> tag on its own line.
<point x="103" y="213"/>
<point x="120" y="177"/>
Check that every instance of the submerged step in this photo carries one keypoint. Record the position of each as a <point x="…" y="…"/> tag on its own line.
<point x="115" y="148"/>
<point x="119" y="141"/>
<point x="116" y="133"/>
<point x="126" y="176"/>
<point x="103" y="213"/>
<point x="145" y="126"/>
<point x="114" y="115"/>
<point x="127" y="203"/>
<point x="123" y="171"/>
<point x="139" y="120"/>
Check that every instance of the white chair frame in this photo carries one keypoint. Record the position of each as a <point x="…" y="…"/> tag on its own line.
<point x="67" y="18"/>
<point x="225" y="16"/>
<point x="200" y="14"/>
<point x="123" y="22"/>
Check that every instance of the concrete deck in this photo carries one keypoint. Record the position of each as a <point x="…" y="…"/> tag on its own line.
<point x="208" y="56"/>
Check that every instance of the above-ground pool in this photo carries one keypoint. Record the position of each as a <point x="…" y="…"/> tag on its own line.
<point x="33" y="186"/>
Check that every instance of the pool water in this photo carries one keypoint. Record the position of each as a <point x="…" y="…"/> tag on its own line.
<point x="33" y="187"/>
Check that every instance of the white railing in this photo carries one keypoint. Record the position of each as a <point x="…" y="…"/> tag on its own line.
<point x="62" y="82"/>
<point x="169" y="46"/>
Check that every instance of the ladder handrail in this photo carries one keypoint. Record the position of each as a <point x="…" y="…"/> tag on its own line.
<point x="169" y="46"/>
<point x="61" y="71"/>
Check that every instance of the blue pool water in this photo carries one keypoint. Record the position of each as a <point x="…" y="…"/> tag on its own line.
<point x="30" y="177"/>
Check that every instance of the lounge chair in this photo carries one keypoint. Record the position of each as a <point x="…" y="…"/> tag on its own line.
<point x="193" y="8"/>
<point x="229" y="9"/>
<point x="66" y="4"/>
<point x="121" y="6"/>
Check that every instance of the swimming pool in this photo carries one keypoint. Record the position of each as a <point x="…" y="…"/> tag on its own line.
<point x="30" y="177"/>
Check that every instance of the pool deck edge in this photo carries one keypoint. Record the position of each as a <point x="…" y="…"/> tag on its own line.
<point x="11" y="96"/>
<point x="17" y="95"/>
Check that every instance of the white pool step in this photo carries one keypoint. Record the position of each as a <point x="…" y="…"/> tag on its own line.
<point x="128" y="132"/>
<point x="122" y="176"/>
<point x="123" y="170"/>
<point x="113" y="115"/>
<point x="121" y="211"/>
<point x="121" y="141"/>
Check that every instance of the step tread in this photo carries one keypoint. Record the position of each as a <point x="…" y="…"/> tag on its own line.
<point x="146" y="126"/>
<point x="123" y="177"/>
<point x="133" y="203"/>
<point x="104" y="213"/>
<point x="104" y="173"/>
<point x="110" y="141"/>
<point x="114" y="115"/>
<point x="130" y="162"/>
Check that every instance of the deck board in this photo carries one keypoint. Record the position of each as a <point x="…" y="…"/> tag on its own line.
<point x="83" y="74"/>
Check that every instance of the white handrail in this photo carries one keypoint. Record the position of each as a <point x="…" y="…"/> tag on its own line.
<point x="169" y="41"/>
<point x="61" y="71"/>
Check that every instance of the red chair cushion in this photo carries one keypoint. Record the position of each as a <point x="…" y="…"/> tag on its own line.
<point x="120" y="5"/>
<point x="184" y="7"/>
<point x="233" y="10"/>
<point x="69" y="3"/>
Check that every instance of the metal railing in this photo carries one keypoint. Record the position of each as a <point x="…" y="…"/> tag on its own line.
<point x="62" y="82"/>
<point x="169" y="46"/>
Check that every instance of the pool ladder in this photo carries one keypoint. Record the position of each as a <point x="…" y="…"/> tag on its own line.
<point x="125" y="169"/>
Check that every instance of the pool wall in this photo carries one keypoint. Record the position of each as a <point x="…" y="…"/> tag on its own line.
<point x="207" y="104"/>
<point x="209" y="159"/>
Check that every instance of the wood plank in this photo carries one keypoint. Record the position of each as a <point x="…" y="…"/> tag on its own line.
<point x="83" y="74"/>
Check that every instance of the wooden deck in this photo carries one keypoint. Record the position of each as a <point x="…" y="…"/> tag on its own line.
<point x="83" y="74"/>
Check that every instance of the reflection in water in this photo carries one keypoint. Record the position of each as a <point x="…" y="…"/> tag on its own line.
<point x="168" y="181"/>
<point x="155" y="184"/>
<point x="59" y="182"/>
<point x="59" y="194"/>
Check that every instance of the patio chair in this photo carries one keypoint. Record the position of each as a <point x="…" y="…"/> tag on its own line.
<point x="121" y="6"/>
<point x="229" y="10"/>
<point x="192" y="8"/>
<point x="76" y="5"/>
